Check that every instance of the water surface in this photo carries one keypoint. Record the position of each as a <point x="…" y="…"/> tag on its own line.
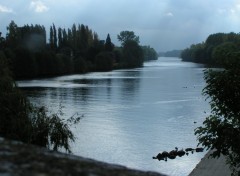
<point x="131" y="115"/>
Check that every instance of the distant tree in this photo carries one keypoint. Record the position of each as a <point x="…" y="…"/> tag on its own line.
<point x="108" y="44"/>
<point x="125" y="36"/>
<point x="196" y="53"/>
<point x="220" y="53"/>
<point x="13" y="36"/>
<point x="51" y="38"/>
<point x="80" y="65"/>
<point x="74" y="38"/>
<point x="70" y="38"/>
<point x="2" y="42"/>
<point x="216" y="39"/>
<point x="132" y="54"/>
<point x="64" y="38"/>
<point x="54" y="37"/>
<point x="173" y="53"/>
<point x="149" y="53"/>
<point x="83" y="37"/>
<point x="60" y="38"/>
<point x="204" y="52"/>
<point x="104" y="61"/>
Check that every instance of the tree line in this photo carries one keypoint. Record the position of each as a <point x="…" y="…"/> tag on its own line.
<point x="74" y="50"/>
<point x="213" y="49"/>
<point x="173" y="53"/>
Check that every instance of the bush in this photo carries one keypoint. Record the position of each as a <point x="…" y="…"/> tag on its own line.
<point x="221" y="129"/>
<point x="22" y="121"/>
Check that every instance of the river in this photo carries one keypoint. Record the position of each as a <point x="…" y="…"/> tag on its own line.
<point x="131" y="115"/>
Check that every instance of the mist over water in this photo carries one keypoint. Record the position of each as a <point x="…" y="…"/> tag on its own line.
<point x="131" y="115"/>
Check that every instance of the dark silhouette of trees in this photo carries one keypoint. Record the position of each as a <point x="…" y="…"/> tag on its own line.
<point x="149" y="53"/>
<point x="132" y="54"/>
<point x="204" y="52"/>
<point x="109" y="46"/>
<point x="104" y="61"/>
<point x="22" y="121"/>
<point x="2" y="42"/>
<point x="74" y="50"/>
<point x="125" y="36"/>
<point x="60" y="38"/>
<point x="12" y="37"/>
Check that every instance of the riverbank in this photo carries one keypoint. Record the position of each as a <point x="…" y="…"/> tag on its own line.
<point x="18" y="159"/>
<point x="211" y="167"/>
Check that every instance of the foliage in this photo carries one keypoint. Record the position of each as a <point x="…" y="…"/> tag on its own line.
<point x="50" y="130"/>
<point x="195" y="53"/>
<point x="132" y="54"/>
<point x="221" y="129"/>
<point x="221" y="52"/>
<point x="20" y="120"/>
<point x="73" y="50"/>
<point x="173" y="53"/>
<point x="126" y="36"/>
<point x="149" y="53"/>
<point x="206" y="52"/>
<point x="104" y="61"/>
<point x="109" y="46"/>
<point x="13" y="111"/>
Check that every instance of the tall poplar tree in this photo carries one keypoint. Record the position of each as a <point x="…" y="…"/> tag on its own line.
<point x="60" y="38"/>
<point x="51" y="38"/>
<point x="108" y="44"/>
<point x="54" y="37"/>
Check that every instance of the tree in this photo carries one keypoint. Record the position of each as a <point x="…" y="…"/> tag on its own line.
<point x="2" y="42"/>
<point x="108" y="44"/>
<point x="64" y="38"/>
<point x="149" y="53"/>
<point x="221" y="52"/>
<point x="12" y="37"/>
<point x="51" y="40"/>
<point x="104" y="61"/>
<point x="60" y="38"/>
<point x="125" y="36"/>
<point x="54" y="37"/>
<point x="221" y="129"/>
<point x="132" y="55"/>
<point x="22" y="121"/>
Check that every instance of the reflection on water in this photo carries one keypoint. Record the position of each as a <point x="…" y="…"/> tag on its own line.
<point x="131" y="115"/>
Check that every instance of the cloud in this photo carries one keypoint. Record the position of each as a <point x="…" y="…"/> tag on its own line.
<point x="169" y="14"/>
<point x="38" y="6"/>
<point x="4" y="9"/>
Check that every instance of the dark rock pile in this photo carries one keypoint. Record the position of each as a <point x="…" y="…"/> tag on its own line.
<point x="174" y="153"/>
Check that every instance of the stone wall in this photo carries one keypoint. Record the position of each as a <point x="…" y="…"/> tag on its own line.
<point x="20" y="159"/>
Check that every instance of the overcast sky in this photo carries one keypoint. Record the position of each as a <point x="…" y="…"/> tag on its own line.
<point x="162" y="24"/>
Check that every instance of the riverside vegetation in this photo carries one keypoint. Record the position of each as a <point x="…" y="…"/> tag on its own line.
<point x="24" y="53"/>
<point x="73" y="50"/>
<point x="221" y="129"/>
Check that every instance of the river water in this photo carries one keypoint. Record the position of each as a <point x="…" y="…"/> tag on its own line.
<point x="131" y="115"/>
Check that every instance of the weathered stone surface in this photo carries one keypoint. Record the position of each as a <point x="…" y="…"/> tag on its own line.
<point x="17" y="159"/>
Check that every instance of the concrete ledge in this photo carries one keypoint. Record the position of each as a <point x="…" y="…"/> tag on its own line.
<point x="211" y="167"/>
<point x="18" y="159"/>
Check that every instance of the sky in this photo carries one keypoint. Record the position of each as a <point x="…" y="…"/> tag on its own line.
<point x="163" y="24"/>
